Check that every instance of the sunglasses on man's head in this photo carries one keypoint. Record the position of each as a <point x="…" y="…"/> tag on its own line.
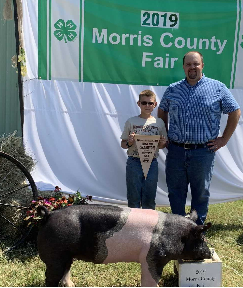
<point x="145" y="103"/>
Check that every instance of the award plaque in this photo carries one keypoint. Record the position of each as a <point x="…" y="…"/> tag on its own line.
<point x="146" y="145"/>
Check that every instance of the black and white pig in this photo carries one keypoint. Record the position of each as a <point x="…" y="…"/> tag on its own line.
<point x="110" y="234"/>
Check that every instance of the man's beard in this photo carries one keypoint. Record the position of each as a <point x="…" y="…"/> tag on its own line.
<point x="192" y="74"/>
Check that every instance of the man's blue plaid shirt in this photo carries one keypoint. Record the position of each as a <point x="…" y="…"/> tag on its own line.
<point x="195" y="111"/>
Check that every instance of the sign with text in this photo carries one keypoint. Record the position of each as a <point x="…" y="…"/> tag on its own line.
<point x="138" y="42"/>
<point x="201" y="273"/>
<point x="146" y="145"/>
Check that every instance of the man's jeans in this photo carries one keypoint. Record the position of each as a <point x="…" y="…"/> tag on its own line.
<point x="141" y="192"/>
<point x="189" y="166"/>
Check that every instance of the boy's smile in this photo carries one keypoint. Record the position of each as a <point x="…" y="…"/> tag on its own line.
<point x="147" y="105"/>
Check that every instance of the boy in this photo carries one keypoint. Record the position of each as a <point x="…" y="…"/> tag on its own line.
<point x="141" y="192"/>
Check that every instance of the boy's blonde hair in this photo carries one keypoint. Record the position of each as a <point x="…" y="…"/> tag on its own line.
<point x="147" y="93"/>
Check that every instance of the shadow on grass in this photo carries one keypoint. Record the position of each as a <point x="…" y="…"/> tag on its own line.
<point x="223" y="228"/>
<point x="240" y="241"/>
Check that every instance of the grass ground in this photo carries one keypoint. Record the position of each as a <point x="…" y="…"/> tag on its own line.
<point x="23" y="267"/>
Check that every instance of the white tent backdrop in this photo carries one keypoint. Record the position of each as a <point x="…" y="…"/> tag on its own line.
<point x="73" y="131"/>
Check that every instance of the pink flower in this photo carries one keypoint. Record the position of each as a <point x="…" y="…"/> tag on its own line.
<point x="47" y="202"/>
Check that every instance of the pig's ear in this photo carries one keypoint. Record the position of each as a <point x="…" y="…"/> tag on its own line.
<point x="193" y="215"/>
<point x="198" y="230"/>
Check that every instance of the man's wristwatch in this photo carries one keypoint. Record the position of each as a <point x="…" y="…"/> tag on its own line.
<point x="128" y="146"/>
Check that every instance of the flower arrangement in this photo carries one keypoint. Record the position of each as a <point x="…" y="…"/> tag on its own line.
<point x="57" y="201"/>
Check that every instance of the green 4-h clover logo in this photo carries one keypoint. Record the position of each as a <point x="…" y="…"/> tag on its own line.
<point x="65" y="30"/>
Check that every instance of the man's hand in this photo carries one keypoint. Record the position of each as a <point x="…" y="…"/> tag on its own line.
<point x="162" y="142"/>
<point x="233" y="118"/>
<point x="217" y="143"/>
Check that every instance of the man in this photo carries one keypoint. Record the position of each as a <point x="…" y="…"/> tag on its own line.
<point x="194" y="106"/>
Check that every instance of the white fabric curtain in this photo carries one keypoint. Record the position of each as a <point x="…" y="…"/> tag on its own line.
<point x="73" y="131"/>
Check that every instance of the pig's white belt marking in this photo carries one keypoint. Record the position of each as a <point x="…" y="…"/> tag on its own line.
<point x="132" y="242"/>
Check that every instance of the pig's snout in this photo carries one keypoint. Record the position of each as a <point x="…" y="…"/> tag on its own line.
<point x="208" y="253"/>
<point x="203" y="252"/>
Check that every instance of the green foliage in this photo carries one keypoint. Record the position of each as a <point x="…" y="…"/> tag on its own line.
<point x="13" y="183"/>
<point x="13" y="145"/>
<point x="22" y="60"/>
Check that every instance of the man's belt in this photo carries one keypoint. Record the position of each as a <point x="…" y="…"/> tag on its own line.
<point x="188" y="145"/>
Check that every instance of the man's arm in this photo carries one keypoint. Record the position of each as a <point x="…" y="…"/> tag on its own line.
<point x="164" y="116"/>
<point x="232" y="122"/>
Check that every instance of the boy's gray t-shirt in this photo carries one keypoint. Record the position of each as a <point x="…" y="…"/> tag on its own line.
<point x="141" y="126"/>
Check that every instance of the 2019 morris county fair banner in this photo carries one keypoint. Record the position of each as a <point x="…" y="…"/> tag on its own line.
<point x="137" y="42"/>
<point x="88" y="60"/>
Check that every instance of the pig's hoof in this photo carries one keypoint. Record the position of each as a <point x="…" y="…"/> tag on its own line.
<point x="68" y="283"/>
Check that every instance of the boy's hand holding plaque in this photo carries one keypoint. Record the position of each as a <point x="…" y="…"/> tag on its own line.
<point x="146" y="145"/>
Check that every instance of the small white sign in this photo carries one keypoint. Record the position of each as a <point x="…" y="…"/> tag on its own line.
<point x="205" y="273"/>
